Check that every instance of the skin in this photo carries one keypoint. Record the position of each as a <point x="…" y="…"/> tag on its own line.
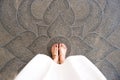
<point x="58" y="52"/>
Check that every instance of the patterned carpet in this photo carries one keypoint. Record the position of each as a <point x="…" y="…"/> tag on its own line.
<point x="87" y="27"/>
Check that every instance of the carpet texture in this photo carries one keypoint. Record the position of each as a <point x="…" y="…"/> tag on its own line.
<point x="87" y="27"/>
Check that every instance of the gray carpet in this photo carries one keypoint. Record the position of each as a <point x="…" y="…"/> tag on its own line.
<point x="87" y="27"/>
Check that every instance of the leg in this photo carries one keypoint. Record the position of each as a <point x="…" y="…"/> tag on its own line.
<point x="62" y="52"/>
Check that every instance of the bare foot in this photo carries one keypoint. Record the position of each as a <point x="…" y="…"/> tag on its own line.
<point x="62" y="52"/>
<point x="54" y="51"/>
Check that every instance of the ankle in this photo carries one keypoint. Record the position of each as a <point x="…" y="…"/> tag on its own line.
<point x="61" y="59"/>
<point x="55" y="60"/>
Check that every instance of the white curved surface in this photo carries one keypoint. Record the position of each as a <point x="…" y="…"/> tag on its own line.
<point x="42" y="67"/>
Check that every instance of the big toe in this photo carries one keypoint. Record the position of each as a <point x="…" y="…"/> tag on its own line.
<point x="54" y="49"/>
<point x="63" y="46"/>
<point x="62" y="49"/>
